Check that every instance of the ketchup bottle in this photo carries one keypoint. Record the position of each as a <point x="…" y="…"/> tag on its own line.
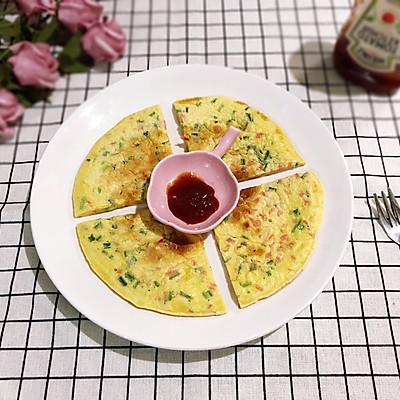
<point x="367" y="51"/>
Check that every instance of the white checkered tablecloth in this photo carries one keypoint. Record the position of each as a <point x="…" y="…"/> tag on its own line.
<point x="345" y="345"/>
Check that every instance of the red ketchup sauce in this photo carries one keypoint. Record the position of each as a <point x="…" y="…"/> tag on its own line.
<point x="190" y="198"/>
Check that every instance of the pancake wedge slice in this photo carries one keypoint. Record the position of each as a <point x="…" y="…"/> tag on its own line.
<point x="261" y="149"/>
<point x="151" y="265"/>
<point x="266" y="241"/>
<point x="117" y="169"/>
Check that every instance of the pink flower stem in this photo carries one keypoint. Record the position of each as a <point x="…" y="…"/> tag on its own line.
<point x="8" y="10"/>
<point x="7" y="52"/>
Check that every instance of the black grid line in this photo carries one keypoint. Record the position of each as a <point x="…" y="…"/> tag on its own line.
<point x="345" y="345"/>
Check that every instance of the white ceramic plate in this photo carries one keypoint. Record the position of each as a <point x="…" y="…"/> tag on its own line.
<point x="53" y="224"/>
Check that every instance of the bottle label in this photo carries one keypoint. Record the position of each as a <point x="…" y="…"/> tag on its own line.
<point x="374" y="37"/>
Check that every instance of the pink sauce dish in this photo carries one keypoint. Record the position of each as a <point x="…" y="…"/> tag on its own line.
<point x="212" y="172"/>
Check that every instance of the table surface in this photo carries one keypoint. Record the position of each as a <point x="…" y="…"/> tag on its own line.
<point x="345" y="345"/>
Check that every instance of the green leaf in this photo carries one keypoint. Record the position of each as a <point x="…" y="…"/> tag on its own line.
<point x="68" y="66"/>
<point x="73" y="48"/>
<point x="9" y="29"/>
<point x="5" y="72"/>
<point x="47" y="32"/>
<point x="12" y="86"/>
<point x="27" y="95"/>
<point x="26" y="33"/>
<point x="72" y="58"/>
<point x="23" y="99"/>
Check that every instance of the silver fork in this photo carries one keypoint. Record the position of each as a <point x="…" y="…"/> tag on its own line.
<point x="389" y="218"/>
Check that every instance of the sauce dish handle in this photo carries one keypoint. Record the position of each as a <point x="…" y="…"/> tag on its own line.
<point x="226" y="141"/>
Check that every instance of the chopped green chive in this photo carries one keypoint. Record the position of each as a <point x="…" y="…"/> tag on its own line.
<point x="185" y="295"/>
<point x="253" y="266"/>
<point x="272" y="188"/>
<point x="122" y="281"/>
<point x="105" y="166"/>
<point x="98" y="225"/>
<point x="227" y="218"/>
<point x="137" y="283"/>
<point x="175" y="275"/>
<point x="91" y="238"/>
<point x="262" y="157"/>
<point x="129" y="276"/>
<point x="198" y="104"/>
<point x="245" y="284"/>
<point x="207" y="294"/>
<point x="299" y="225"/>
<point x="156" y="284"/>
<point x="269" y="273"/>
<point x="83" y="202"/>
<point x="131" y="261"/>
<point x="304" y="175"/>
<point x="245" y="237"/>
<point x="169" y="297"/>
<point x="106" y="245"/>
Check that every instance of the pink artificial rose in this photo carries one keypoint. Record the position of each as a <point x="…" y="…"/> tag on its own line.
<point x="33" y="65"/>
<point x="79" y="14"/>
<point x="104" y="40"/>
<point x="10" y="111"/>
<point x="31" y="7"/>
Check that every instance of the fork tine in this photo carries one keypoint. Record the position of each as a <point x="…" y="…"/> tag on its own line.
<point x="381" y="214"/>
<point x="389" y="212"/>
<point x="395" y="205"/>
<point x="388" y="216"/>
